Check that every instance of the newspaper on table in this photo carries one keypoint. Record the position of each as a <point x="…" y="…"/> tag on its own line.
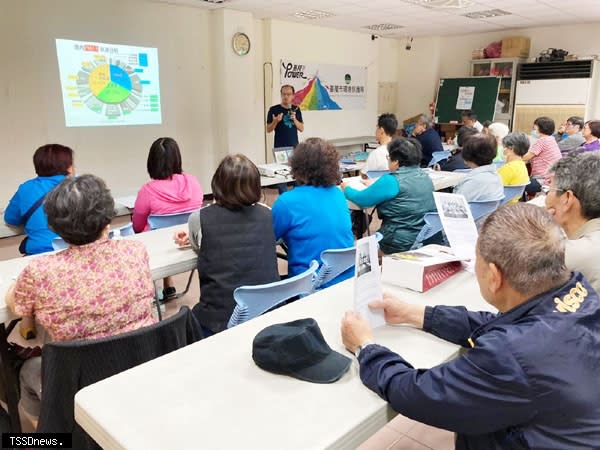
<point x="458" y="223"/>
<point x="367" y="281"/>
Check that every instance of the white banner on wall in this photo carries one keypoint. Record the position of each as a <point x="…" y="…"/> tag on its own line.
<point x="325" y="86"/>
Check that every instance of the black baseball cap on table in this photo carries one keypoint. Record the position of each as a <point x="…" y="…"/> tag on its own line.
<point x="298" y="349"/>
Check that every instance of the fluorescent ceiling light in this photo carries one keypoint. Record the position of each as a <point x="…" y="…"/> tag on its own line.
<point x="383" y="27"/>
<point x="312" y="14"/>
<point x="487" y="14"/>
<point x="441" y="3"/>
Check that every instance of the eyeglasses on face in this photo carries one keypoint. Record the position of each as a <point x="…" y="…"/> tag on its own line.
<point x="546" y="189"/>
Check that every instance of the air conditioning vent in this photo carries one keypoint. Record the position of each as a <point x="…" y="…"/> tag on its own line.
<point x="556" y="70"/>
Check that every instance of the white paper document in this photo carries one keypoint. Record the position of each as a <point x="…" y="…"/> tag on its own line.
<point x="367" y="281"/>
<point x="458" y="223"/>
<point x="465" y="97"/>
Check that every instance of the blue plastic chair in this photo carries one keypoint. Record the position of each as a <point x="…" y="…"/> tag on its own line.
<point x="335" y="262"/>
<point x="510" y="192"/>
<point x="433" y="223"/>
<point x="436" y="157"/>
<point x="377" y="173"/>
<point x="157" y="221"/>
<point x="252" y="301"/>
<point x="125" y="230"/>
<point x="479" y="210"/>
<point x="432" y="226"/>
<point x="58" y="243"/>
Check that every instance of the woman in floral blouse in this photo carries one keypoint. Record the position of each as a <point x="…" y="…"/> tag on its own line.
<point x="95" y="288"/>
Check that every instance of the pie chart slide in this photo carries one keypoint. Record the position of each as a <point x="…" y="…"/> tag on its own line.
<point x="110" y="84"/>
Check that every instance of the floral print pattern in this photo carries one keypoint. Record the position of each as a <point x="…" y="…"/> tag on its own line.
<point x="88" y="291"/>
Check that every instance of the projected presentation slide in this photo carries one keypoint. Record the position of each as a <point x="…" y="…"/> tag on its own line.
<point x="108" y="84"/>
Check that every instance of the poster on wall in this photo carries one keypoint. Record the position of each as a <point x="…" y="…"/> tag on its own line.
<point x="325" y="86"/>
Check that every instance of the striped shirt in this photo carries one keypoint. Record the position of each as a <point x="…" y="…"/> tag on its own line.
<point x="546" y="153"/>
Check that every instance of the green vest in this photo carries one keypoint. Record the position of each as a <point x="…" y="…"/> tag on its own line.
<point x="402" y="216"/>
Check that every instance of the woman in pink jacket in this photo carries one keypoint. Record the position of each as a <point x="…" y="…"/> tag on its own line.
<point x="169" y="191"/>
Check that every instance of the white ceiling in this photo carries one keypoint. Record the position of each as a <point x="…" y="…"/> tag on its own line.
<point x="417" y="20"/>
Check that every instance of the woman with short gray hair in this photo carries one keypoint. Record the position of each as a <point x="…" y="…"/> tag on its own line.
<point x="428" y="138"/>
<point x="95" y="288"/>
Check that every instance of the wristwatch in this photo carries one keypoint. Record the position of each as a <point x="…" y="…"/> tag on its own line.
<point x="361" y="347"/>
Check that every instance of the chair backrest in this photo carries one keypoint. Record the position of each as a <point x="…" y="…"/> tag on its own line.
<point x="59" y="243"/>
<point x="377" y="173"/>
<point x="510" y="192"/>
<point x="252" y="301"/>
<point x="482" y="209"/>
<point x="432" y="226"/>
<point x="125" y="230"/>
<point x="68" y="367"/>
<point x="436" y="157"/>
<point x="334" y="262"/>
<point x="168" y="220"/>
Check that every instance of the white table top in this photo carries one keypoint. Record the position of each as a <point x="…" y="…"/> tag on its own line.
<point x="123" y="207"/>
<point x="165" y="259"/>
<point x="213" y="395"/>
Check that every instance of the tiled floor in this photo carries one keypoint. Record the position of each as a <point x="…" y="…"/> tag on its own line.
<point x="400" y="434"/>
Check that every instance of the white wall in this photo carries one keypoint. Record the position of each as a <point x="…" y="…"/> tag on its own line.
<point x="212" y="99"/>
<point x="32" y="114"/>
<point x="328" y="46"/>
<point x="434" y="57"/>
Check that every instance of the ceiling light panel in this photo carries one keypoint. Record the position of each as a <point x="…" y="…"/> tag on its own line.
<point x="486" y="14"/>
<point x="383" y="27"/>
<point x="312" y="14"/>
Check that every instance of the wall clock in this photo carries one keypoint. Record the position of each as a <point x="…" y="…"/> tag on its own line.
<point x="241" y="44"/>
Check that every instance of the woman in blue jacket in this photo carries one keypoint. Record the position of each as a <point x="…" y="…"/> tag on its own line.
<point x="52" y="162"/>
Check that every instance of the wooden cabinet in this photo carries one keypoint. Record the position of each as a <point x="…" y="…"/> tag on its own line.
<point x="506" y="69"/>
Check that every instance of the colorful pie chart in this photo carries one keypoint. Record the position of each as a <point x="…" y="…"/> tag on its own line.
<point x="110" y="84"/>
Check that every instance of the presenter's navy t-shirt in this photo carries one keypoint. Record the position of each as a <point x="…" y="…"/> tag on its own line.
<point x="286" y="134"/>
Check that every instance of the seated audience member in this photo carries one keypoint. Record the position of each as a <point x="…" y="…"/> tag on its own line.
<point x="314" y="216"/>
<point x="169" y="191"/>
<point x="571" y="138"/>
<point x="402" y="197"/>
<point x="428" y="138"/>
<point x="573" y="199"/>
<point x="591" y="134"/>
<point x="387" y="124"/>
<point x="543" y="152"/>
<point x="514" y="172"/>
<point x="234" y="240"/>
<point x="498" y="130"/>
<point x="486" y="127"/>
<point x="525" y="378"/>
<point x="482" y="183"/>
<point x="469" y="118"/>
<point x="95" y="288"/>
<point x="456" y="161"/>
<point x="52" y="163"/>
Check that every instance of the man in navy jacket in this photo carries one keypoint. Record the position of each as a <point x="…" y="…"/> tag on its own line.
<point x="530" y="378"/>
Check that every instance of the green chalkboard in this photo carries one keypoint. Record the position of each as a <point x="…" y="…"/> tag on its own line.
<point x="484" y="97"/>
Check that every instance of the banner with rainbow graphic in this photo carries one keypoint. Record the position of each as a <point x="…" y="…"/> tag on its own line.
<point x="326" y="86"/>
